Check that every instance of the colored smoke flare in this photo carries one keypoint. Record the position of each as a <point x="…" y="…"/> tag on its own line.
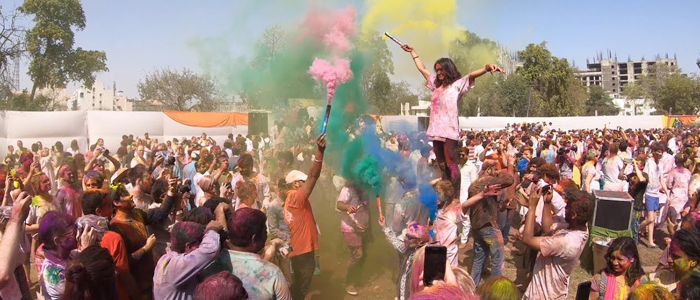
<point x="325" y="118"/>
<point x="393" y="39"/>
<point x="332" y="74"/>
<point x="363" y="204"/>
<point x="379" y="205"/>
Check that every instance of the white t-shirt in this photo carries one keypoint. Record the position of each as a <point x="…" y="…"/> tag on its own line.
<point x="558" y="205"/>
<point x="468" y="174"/>
<point x="558" y="257"/>
<point x="445" y="227"/>
<point x="199" y="193"/>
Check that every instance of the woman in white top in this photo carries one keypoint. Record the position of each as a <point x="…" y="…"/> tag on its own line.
<point x="612" y="170"/>
<point x="591" y="178"/>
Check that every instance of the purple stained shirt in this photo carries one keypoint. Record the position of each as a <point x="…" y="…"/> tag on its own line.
<point x="677" y="183"/>
<point x="444" y="112"/>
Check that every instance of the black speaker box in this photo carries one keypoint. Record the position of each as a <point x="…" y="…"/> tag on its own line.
<point x="613" y="210"/>
<point x="257" y="123"/>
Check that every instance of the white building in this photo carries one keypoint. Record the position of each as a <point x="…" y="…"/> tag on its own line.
<point x="613" y="75"/>
<point x="633" y="107"/>
<point x="99" y="97"/>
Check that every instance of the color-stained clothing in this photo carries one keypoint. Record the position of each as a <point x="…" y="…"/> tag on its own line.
<point x="134" y="234"/>
<point x="262" y="185"/>
<point x="408" y="210"/>
<point x="68" y="200"/>
<point x="444" y="112"/>
<point x="664" y="277"/>
<point x="601" y="283"/>
<point x="677" y="183"/>
<point x="275" y="221"/>
<point x="52" y="275"/>
<point x="654" y="171"/>
<point x="175" y="277"/>
<point x="37" y="209"/>
<point x="359" y="220"/>
<point x="558" y="257"/>
<point x="403" y="287"/>
<point x="445" y="229"/>
<point x="612" y="168"/>
<point x="300" y="218"/>
<point x="261" y="279"/>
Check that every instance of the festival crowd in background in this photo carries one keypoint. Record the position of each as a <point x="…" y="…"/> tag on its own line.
<point x="190" y="219"/>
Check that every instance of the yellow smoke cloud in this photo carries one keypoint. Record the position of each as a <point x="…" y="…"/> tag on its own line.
<point x="427" y="25"/>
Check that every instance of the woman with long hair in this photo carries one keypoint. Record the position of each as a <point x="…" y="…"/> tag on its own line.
<point x="90" y="276"/>
<point x="591" y="178"/>
<point x="448" y="87"/>
<point x="621" y="275"/>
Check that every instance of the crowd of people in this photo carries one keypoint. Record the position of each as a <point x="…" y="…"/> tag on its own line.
<point x="190" y="219"/>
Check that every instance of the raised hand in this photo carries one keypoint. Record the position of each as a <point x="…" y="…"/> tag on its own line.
<point x="494" y="68"/>
<point x="321" y="142"/>
<point x="407" y="48"/>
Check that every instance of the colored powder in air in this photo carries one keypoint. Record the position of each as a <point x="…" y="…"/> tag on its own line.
<point x="428" y="26"/>
<point x="331" y="74"/>
<point x="429" y="198"/>
<point x="333" y="28"/>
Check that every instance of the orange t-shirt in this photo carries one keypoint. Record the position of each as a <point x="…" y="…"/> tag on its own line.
<point x="300" y="218"/>
<point x="114" y="243"/>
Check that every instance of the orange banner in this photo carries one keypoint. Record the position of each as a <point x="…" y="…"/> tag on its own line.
<point x="208" y="119"/>
<point x="679" y="120"/>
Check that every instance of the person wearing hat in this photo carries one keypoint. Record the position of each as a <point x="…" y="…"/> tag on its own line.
<point x="300" y="218"/>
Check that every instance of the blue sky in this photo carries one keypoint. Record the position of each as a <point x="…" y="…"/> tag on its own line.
<point x="141" y="35"/>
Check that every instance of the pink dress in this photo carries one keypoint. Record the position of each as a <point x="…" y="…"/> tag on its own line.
<point x="444" y="112"/>
<point x="678" y="181"/>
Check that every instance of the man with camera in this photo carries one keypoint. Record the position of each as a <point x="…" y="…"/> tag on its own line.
<point x="565" y="160"/>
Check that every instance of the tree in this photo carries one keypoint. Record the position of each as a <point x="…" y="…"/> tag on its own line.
<point x="376" y="84"/>
<point x="179" y="90"/>
<point x="54" y="61"/>
<point x="600" y="103"/>
<point x="678" y="94"/>
<point x="514" y="92"/>
<point x="42" y="102"/>
<point x="12" y="45"/>
<point x="271" y="43"/>
<point x="553" y="82"/>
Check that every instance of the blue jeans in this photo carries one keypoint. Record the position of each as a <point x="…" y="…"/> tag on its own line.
<point x="487" y="239"/>
<point x="505" y="221"/>
<point x="635" y="225"/>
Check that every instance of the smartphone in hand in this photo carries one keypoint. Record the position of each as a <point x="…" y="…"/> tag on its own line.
<point x="434" y="264"/>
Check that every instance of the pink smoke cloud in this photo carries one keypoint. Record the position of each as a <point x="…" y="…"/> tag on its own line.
<point x="331" y="74"/>
<point x="333" y="28"/>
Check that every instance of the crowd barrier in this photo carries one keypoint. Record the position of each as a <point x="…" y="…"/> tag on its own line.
<point x="87" y="126"/>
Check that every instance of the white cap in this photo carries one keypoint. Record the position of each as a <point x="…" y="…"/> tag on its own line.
<point x="294" y="176"/>
<point x="118" y="175"/>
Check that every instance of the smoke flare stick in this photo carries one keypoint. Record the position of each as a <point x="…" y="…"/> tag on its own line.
<point x="325" y="118"/>
<point x="363" y="204"/>
<point x="393" y="39"/>
<point x="379" y="205"/>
